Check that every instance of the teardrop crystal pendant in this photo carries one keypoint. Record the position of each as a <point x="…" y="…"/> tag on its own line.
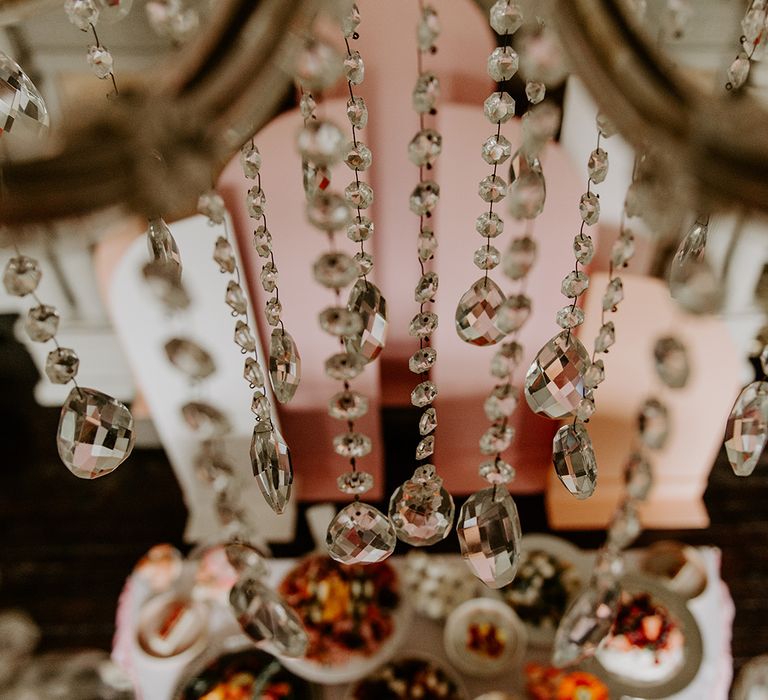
<point x="21" y="105"/>
<point x="747" y="429"/>
<point x="574" y="460"/>
<point x="554" y="384"/>
<point x="272" y="467"/>
<point x="421" y="509"/>
<point x="266" y="618"/>
<point x="162" y="247"/>
<point x="476" y="314"/>
<point x="489" y="535"/>
<point x="366" y="300"/>
<point x="672" y="364"/>
<point x="95" y="434"/>
<point x="284" y="365"/>
<point x="360" y="534"/>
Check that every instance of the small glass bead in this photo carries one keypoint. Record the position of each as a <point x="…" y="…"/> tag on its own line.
<point x="426" y="287"/>
<point x="423" y="394"/>
<point x="358" y="156"/>
<point x="350" y="22"/>
<point x="256" y="202"/>
<point x="519" y="258"/>
<point x="506" y="358"/>
<point x="492" y="189"/>
<point x="425" y="147"/>
<point x="614" y="293"/>
<point x="426" y="244"/>
<point x="355" y="483"/>
<point x="505" y="17"/>
<point x="321" y="142"/>
<point x="605" y="337"/>
<point x="223" y="255"/>
<point x="347" y="405"/>
<point x="318" y="66"/>
<point x="42" y="323"/>
<point x="339" y="321"/>
<point x="428" y="29"/>
<point x="569" y="317"/>
<point x="272" y="311"/>
<point x="497" y="472"/>
<point x="244" y="338"/>
<point x="499" y="107"/>
<point x="252" y="373"/>
<point x="423" y="324"/>
<point x="535" y="91"/>
<point x="605" y="126"/>
<point x="574" y="284"/>
<point x="260" y="407"/>
<point x="361" y="229"/>
<point x="314" y="178"/>
<point x="428" y="421"/>
<point x="513" y="313"/>
<point x="250" y="160"/>
<point x="424" y="197"/>
<point x="354" y="68"/>
<point x="268" y="276"/>
<point x="335" y="270"/>
<point x="597" y="165"/>
<point x="82" y="13"/>
<point x="589" y="208"/>
<point x="496" y="150"/>
<point x="487" y="257"/>
<point x="622" y="250"/>
<point x="426" y="93"/>
<point x="583" y="248"/>
<point x="262" y="242"/>
<point x="61" y="365"/>
<point x="422" y="360"/>
<point x="502" y="63"/>
<point x="211" y="205"/>
<point x="329" y="211"/>
<point x="594" y="375"/>
<point x="359" y="194"/>
<point x="357" y="112"/>
<point x="496" y="439"/>
<point x="307" y="105"/>
<point x="489" y="225"/>
<point x="21" y="276"/>
<point x="344" y="366"/>
<point x="364" y="263"/>
<point x="235" y="298"/>
<point x="586" y="408"/>
<point x="501" y="402"/>
<point x="352" y="444"/>
<point x="100" y="60"/>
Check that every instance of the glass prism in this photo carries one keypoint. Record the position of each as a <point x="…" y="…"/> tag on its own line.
<point x="360" y="534"/>
<point x="574" y="460"/>
<point x="476" y="314"/>
<point x="421" y="509"/>
<point x="747" y="429"/>
<point x="272" y="467"/>
<point x="284" y="365"/>
<point x="366" y="300"/>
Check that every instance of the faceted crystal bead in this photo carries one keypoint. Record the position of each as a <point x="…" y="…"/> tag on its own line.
<point x="423" y="394"/>
<point x="314" y="179"/>
<point x="428" y="421"/>
<point x="671" y="359"/>
<point x="693" y="245"/>
<point x="366" y="300"/>
<point x="425" y="448"/>
<point x="360" y="534"/>
<point x="244" y="338"/>
<point x="42" y="323"/>
<point x="589" y="208"/>
<point x="586" y="623"/>
<point x="284" y="365"/>
<point x="261" y="408"/>
<point x="506" y="359"/>
<point x="100" y="60"/>
<point x="501" y="402"/>
<point x="268" y="276"/>
<point x="361" y="229"/>
<point x="424" y="197"/>
<point x="423" y="324"/>
<point x="605" y="337"/>
<point x="506" y="17"/>
<point x="272" y="467"/>
<point x="364" y="263"/>
<point x="357" y="112"/>
<point x="262" y="242"/>
<point x="61" y="365"/>
<point x="321" y="142"/>
<point x="95" y="434"/>
<point x="422" y="360"/>
<point x="355" y="483"/>
<point x="489" y="534"/>
<point x="574" y="460"/>
<point x="425" y="147"/>
<point x="426" y="93"/>
<point x="622" y="250"/>
<point x="527" y="194"/>
<point x="497" y="471"/>
<point x="747" y="430"/>
<point x="358" y="156"/>
<point x="428" y="29"/>
<point x="426" y="244"/>
<point x="340" y="321"/>
<point x="354" y="68"/>
<point x="307" y="105"/>
<point x="347" y="405"/>
<point x="496" y="150"/>
<point x="519" y="258"/>
<point x="614" y="293"/>
<point x="594" y="375"/>
<point x="489" y="225"/>
<point x="477" y="312"/>
<point x="328" y="211"/>
<point x="586" y="408"/>
<point x="223" y="255"/>
<point x="213" y="471"/>
<point x="583" y="248"/>
<point x="502" y="63"/>
<point x="335" y="270"/>
<point x="496" y="439"/>
<point x="253" y="374"/>
<point x="499" y="107"/>
<point x="266" y="618"/>
<point x="212" y="205"/>
<point x="359" y="194"/>
<point x="540" y="123"/>
<point x="738" y="71"/>
<point x="574" y="284"/>
<point x="21" y="276"/>
<point x="318" y="66"/>
<point x="421" y="510"/>
<point x="696" y="287"/>
<point x="250" y="160"/>
<point x="605" y="126"/>
<point x="205" y="420"/>
<point x="235" y="298"/>
<point x="653" y="424"/>
<point x="165" y="283"/>
<point x="426" y="287"/>
<point x="344" y="365"/>
<point x="624" y="527"/>
<point x="352" y="444"/>
<point x="486" y="257"/>
<point x="190" y="358"/>
<point x="753" y="22"/>
<point x="163" y="249"/>
<point x="597" y="165"/>
<point x="535" y="91"/>
<point x="638" y="476"/>
<point x="256" y="202"/>
<point x="569" y="317"/>
<point x="554" y="384"/>
<point x="513" y="313"/>
<point x="492" y="188"/>
<point x="272" y="311"/>
<point x="82" y="13"/>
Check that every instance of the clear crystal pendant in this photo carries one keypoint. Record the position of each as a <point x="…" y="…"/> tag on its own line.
<point x="21" y="105"/>
<point x="272" y="467"/>
<point x="574" y="460"/>
<point x="162" y="247"/>
<point x="367" y="301"/>
<point x="653" y="424"/>
<point x="284" y="365"/>
<point x="360" y="534"/>
<point x="527" y="191"/>
<point x="42" y="323"/>
<point x="95" y="434"/>
<point x="554" y="384"/>
<point x="190" y="358"/>
<point x="638" y="476"/>
<point x="747" y="429"/>
<point x="421" y="509"/>
<point x="476" y="314"/>
<point x="489" y="533"/>
<point x="672" y="364"/>
<point x="21" y="276"/>
<point x="205" y="420"/>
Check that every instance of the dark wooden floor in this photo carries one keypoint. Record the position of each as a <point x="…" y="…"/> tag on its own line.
<point x="66" y="546"/>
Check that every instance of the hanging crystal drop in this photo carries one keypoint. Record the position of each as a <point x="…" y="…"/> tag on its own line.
<point x="428" y="421"/>
<point x="339" y="321"/>
<point x="496" y="471"/>
<point x="489" y="534"/>
<point x="671" y="358"/>
<point x="366" y="300"/>
<point x="422" y="360"/>
<point x="253" y="374"/>
<point x="190" y="358"/>
<point x="421" y="510"/>
<point x="527" y="191"/>
<point x="535" y="91"/>
<point x="62" y="365"/>
<point x="284" y="365"/>
<point x="614" y="294"/>
<point x="95" y="434"/>
<point x="42" y="323"/>
<point x="622" y="250"/>
<point x="597" y="165"/>
<point x="235" y="298"/>
<point x="426" y="93"/>
<point x="638" y="476"/>
<point x="513" y="313"/>
<point x="499" y="107"/>
<point x="205" y="420"/>
<point x="554" y="384"/>
<point x="519" y="258"/>
<point x="423" y="394"/>
<point x="244" y="338"/>
<point x="347" y="405"/>
<point x="425" y="448"/>
<point x="360" y="534"/>
<point x="747" y="430"/>
<point x="21" y="276"/>
<point x="21" y="105"/>
<point x="272" y="467"/>
<point x="162" y="246"/>
<point x="477" y="311"/>
<point x="574" y="460"/>
<point x="595" y="375"/>
<point x="606" y="337"/>
<point x="355" y="483"/>
<point x="321" y="142"/>
<point x="335" y="270"/>
<point x="223" y="255"/>
<point x="583" y="248"/>
<point x="653" y="424"/>
<point x="425" y="147"/>
<point x="100" y="60"/>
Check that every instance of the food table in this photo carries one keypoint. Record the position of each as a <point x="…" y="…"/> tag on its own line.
<point x="157" y="678"/>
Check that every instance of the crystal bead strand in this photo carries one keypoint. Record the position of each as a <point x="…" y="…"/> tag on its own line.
<point x="421" y="509"/>
<point x="752" y="41"/>
<point x="270" y="456"/>
<point x="359" y="533"/>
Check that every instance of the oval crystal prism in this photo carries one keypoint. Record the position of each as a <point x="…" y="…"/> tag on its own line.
<point x="421" y="509"/>
<point x="190" y="358"/>
<point x="672" y="364"/>
<point x="163" y="248"/>
<point x="476" y="314"/>
<point x="21" y="106"/>
<point x="95" y="434"/>
<point x="360" y="534"/>
<point x="284" y="365"/>
<point x="366" y="300"/>
<point x="747" y="429"/>
<point x="574" y="460"/>
<point x="554" y="384"/>
<point x="489" y="534"/>
<point x="272" y="467"/>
